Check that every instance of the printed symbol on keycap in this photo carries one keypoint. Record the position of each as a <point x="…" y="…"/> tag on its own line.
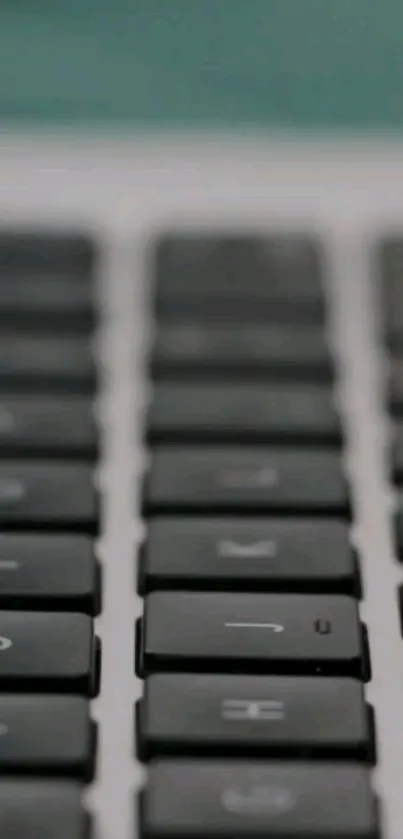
<point x="11" y="490"/>
<point x="4" y="729"/>
<point x="238" y="478"/>
<point x="258" y="801"/>
<point x="258" y="710"/>
<point x="9" y="565"/>
<point x="230" y="549"/>
<point x="323" y="627"/>
<point x="5" y="643"/>
<point x="273" y="627"/>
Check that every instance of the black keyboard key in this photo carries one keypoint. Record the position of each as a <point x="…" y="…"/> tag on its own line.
<point x="56" y="302"/>
<point x="398" y="530"/>
<point x="395" y="385"/>
<point x="248" y="554"/>
<point x="247" y="799"/>
<point x="237" y="276"/>
<point x="40" y="252"/>
<point x="266" y="479"/>
<point x="46" y="735"/>
<point x="273" y="351"/>
<point x="255" y="633"/>
<point x="42" y="810"/>
<point x="43" y="425"/>
<point x="57" y="363"/>
<point x="242" y="413"/>
<point x="390" y="265"/>
<point x="47" y="651"/>
<point x="254" y="715"/>
<point x="397" y="453"/>
<point x="50" y="572"/>
<point x="47" y="494"/>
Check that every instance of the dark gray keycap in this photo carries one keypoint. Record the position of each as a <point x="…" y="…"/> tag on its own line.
<point x="266" y="479"/>
<point x="248" y="554"/>
<point x="273" y="351"/>
<point x="390" y="266"/>
<point x="42" y="809"/>
<point x="394" y="379"/>
<point x="261" y="633"/>
<point x="244" y="799"/>
<point x="49" y="572"/>
<point x="46" y="735"/>
<point x="59" y="301"/>
<point x="263" y="715"/>
<point x="397" y="453"/>
<point x="398" y="529"/>
<point x="48" y="494"/>
<point x="43" y="425"/>
<point x="42" y="252"/>
<point x="229" y="412"/>
<point x="35" y="362"/>
<point x="222" y="275"/>
<point x="47" y="651"/>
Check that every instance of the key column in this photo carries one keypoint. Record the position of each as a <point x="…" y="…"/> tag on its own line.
<point x="50" y="579"/>
<point x="250" y="644"/>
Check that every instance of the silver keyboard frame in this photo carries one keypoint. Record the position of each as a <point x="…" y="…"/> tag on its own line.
<point x="124" y="187"/>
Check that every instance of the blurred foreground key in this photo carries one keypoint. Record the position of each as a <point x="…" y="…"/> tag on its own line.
<point x="54" y="363"/>
<point x="47" y="494"/>
<point x="193" y="349"/>
<point x="237" y="276"/>
<point x="245" y="413"/>
<point x="42" y="810"/>
<point x="47" y="425"/>
<point x="244" y="800"/>
<point x="245" y="480"/>
<point x="47" y="651"/>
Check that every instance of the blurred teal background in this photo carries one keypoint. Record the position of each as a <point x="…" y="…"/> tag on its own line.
<point x="223" y="62"/>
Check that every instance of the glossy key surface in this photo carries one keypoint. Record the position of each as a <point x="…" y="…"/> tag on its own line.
<point x="54" y="363"/>
<point x="47" y="651"/>
<point x="48" y="735"/>
<point x="223" y="799"/>
<point x="248" y="554"/>
<point x="238" y="275"/>
<point x="47" y="494"/>
<point x="245" y="413"/>
<point x="42" y="425"/>
<point x="255" y="633"/>
<point x="266" y="479"/>
<point x="266" y="352"/>
<point x="49" y="571"/>
<point x="43" y="809"/>
<point x="253" y="715"/>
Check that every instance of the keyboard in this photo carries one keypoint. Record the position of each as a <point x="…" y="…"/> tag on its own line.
<point x="201" y="440"/>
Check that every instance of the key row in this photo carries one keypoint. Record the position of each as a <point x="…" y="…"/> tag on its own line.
<point x="65" y="363"/>
<point x="216" y="275"/>
<point x="65" y="425"/>
<point x="206" y="715"/>
<point x="205" y="799"/>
